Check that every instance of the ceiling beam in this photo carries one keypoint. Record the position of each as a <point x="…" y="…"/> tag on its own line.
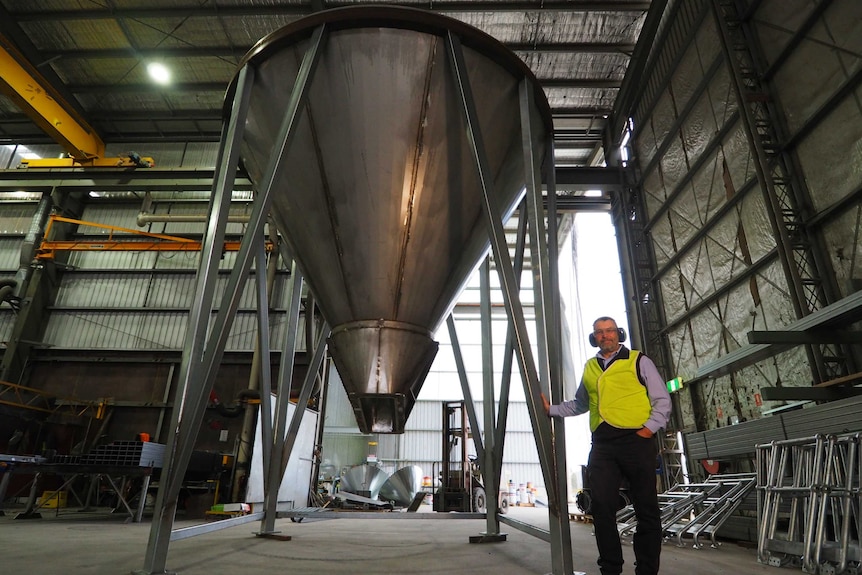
<point x="99" y="179"/>
<point x="624" y="48"/>
<point x="300" y="10"/>
<point x="191" y="179"/>
<point x="115" y="126"/>
<point x="578" y="112"/>
<point x="9" y="28"/>
<point x="148" y="87"/>
<point x="181" y="115"/>
<point x="581" y="204"/>
<point x="585" y="178"/>
<point x="208" y="114"/>
<point x="592" y="83"/>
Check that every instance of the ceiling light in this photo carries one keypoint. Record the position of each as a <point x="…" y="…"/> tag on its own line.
<point x="159" y="73"/>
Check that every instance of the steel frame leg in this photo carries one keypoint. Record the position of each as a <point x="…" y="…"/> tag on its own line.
<point x="560" y="549"/>
<point x="202" y="352"/>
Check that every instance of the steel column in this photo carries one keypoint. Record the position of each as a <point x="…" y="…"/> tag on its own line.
<point x="637" y="265"/>
<point x="4" y="484"/>
<point x="273" y="471"/>
<point x="499" y="248"/>
<point x="322" y="403"/>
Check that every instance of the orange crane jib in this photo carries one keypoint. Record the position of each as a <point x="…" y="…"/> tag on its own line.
<point x="141" y="241"/>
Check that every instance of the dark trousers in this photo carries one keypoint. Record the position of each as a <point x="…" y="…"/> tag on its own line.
<point x="631" y="457"/>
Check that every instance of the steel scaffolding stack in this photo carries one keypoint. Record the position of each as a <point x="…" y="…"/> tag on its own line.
<point x="808" y="509"/>
<point x="692" y="510"/>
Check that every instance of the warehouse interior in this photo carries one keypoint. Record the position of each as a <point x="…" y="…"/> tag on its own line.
<point x="163" y="286"/>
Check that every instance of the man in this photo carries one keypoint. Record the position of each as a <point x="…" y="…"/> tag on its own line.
<point x="628" y="403"/>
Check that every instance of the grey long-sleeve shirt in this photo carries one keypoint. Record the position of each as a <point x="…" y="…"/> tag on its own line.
<point x="655" y="386"/>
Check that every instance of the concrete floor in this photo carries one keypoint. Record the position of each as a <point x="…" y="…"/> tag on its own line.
<point x="73" y="543"/>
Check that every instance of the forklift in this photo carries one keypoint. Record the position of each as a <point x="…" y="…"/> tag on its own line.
<point x="461" y="487"/>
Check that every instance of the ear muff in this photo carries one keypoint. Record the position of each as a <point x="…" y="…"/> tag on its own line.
<point x="621" y="333"/>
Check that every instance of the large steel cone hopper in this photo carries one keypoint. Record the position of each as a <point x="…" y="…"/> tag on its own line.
<point x="365" y="480"/>
<point x="379" y="199"/>
<point x="402" y="486"/>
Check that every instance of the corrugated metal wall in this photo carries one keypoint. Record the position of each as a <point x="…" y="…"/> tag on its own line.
<point x="140" y="300"/>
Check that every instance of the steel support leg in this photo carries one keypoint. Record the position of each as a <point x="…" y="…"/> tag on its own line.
<point x="282" y="449"/>
<point x="509" y="349"/>
<point x="202" y="352"/>
<point x="263" y="346"/>
<point x="272" y="474"/>
<point x="543" y="251"/>
<point x="490" y="466"/>
<point x="190" y="390"/>
<point x="469" y="406"/>
<point x="499" y="247"/>
<point x="4" y="485"/>
<point x="30" y="509"/>
<point x="142" y="503"/>
<point x="286" y="448"/>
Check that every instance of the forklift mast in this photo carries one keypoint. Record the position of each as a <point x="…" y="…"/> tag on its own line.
<point x="456" y="475"/>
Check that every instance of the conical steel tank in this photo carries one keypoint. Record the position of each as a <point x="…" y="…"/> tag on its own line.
<point x="379" y="199"/>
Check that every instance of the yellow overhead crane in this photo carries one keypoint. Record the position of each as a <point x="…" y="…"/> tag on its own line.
<point x="143" y="241"/>
<point x="24" y="85"/>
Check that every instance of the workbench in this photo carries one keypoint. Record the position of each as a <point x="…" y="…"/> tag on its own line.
<point x="116" y="476"/>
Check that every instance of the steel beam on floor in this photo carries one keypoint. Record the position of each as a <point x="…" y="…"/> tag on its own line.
<point x="203" y="528"/>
